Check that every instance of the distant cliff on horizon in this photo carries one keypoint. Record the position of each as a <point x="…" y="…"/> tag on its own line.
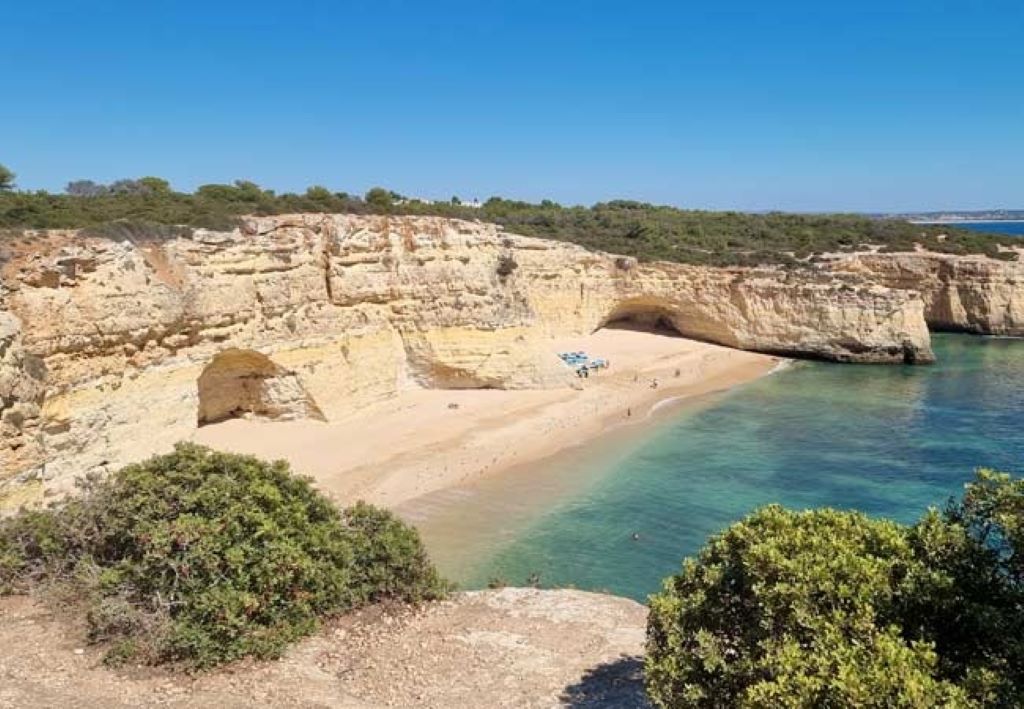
<point x="980" y="215"/>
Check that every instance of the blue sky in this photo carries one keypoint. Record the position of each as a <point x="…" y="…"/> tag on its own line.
<point x="725" y="105"/>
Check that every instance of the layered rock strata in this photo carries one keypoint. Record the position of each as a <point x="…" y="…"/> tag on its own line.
<point x="112" y="350"/>
<point x="960" y="293"/>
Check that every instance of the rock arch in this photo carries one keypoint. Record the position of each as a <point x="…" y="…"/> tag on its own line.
<point x="245" y="383"/>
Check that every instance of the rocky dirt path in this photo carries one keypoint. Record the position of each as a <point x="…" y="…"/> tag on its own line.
<point x="504" y="648"/>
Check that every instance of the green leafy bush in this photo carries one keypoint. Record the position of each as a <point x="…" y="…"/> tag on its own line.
<point x="829" y="608"/>
<point x="389" y="559"/>
<point x="201" y="557"/>
<point x="506" y="265"/>
<point x="645" y="231"/>
<point x="975" y="612"/>
<point x="6" y="179"/>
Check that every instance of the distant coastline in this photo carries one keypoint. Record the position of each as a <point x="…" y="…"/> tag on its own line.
<point x="1009" y="227"/>
<point x="971" y="220"/>
<point x="1014" y="220"/>
<point x="957" y="216"/>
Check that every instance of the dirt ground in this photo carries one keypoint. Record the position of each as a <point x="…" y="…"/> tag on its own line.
<point x="503" y="648"/>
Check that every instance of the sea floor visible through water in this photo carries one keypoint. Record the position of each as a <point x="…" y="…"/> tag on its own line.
<point x="621" y="514"/>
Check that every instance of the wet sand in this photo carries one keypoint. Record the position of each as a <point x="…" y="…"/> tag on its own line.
<point x="424" y="441"/>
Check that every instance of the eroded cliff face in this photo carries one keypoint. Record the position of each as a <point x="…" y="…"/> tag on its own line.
<point x="21" y="395"/>
<point x="960" y="293"/>
<point x="113" y="350"/>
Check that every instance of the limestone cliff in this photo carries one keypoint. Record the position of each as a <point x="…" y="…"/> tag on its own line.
<point x="112" y="350"/>
<point x="960" y="293"/>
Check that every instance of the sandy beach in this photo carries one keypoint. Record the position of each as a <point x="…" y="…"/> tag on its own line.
<point x="423" y="441"/>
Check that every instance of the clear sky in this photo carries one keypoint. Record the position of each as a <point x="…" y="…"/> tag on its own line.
<point x="816" y="105"/>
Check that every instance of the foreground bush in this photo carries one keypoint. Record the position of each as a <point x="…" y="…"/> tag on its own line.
<point x="202" y="557"/>
<point x="826" y="608"/>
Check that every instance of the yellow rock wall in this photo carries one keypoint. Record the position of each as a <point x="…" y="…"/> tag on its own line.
<point x="960" y="293"/>
<point x="104" y="344"/>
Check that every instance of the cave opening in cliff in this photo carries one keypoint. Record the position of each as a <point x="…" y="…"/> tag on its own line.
<point x="248" y="384"/>
<point x="642" y="317"/>
<point x="654" y="323"/>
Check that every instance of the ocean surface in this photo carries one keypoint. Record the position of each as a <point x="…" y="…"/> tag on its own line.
<point x="887" y="440"/>
<point x="1002" y="227"/>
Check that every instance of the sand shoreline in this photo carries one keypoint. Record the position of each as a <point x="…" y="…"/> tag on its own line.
<point x="424" y="441"/>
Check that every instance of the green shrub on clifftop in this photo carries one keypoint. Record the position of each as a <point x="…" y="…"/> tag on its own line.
<point x="792" y="609"/>
<point x="645" y="231"/>
<point x="202" y="557"/>
<point x="826" y="608"/>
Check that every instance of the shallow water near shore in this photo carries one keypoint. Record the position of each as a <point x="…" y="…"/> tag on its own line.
<point x="887" y="440"/>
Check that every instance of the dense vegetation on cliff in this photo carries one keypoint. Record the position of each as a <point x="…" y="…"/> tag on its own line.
<point x="647" y="231"/>
<point x="199" y="557"/>
<point x="829" y="608"/>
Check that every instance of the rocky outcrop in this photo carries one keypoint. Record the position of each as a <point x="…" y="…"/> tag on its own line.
<point x="21" y="394"/>
<point x="112" y="350"/>
<point x="960" y="293"/>
<point x="246" y="383"/>
<point x="502" y="648"/>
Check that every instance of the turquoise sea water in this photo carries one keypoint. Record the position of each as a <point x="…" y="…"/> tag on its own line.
<point x="887" y="440"/>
